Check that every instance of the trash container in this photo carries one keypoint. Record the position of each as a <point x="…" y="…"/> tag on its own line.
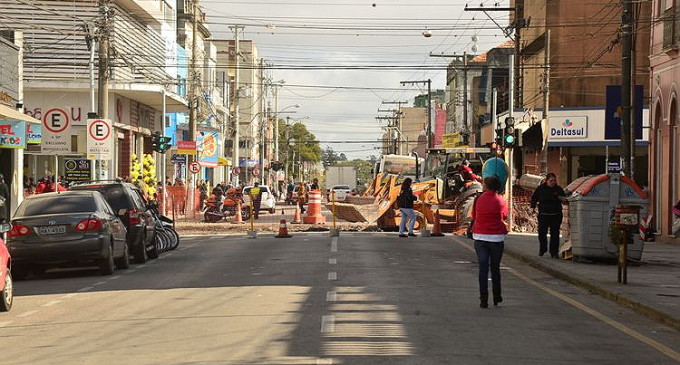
<point x="592" y="205"/>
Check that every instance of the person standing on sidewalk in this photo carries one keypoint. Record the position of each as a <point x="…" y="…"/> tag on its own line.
<point x="490" y="214"/>
<point x="405" y="203"/>
<point x="547" y="197"/>
<point x="302" y="197"/>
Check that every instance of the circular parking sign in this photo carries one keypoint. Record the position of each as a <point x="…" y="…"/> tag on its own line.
<point x="235" y="171"/>
<point x="194" y="167"/>
<point x="56" y="120"/>
<point x="256" y="171"/>
<point x="99" y="130"/>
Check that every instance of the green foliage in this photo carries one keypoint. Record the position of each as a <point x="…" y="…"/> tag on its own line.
<point x="364" y="169"/>
<point x="295" y="139"/>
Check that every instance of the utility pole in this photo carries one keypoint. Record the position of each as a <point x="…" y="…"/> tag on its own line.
<point x="399" y="140"/>
<point x="546" y="99"/>
<point x="626" y="66"/>
<point x="457" y="58"/>
<point x="428" y="126"/>
<point x="103" y="87"/>
<point x="237" y="109"/>
<point x="633" y="77"/>
<point x="193" y="102"/>
<point x="511" y="114"/>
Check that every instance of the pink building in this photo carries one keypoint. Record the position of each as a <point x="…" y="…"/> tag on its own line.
<point x="664" y="149"/>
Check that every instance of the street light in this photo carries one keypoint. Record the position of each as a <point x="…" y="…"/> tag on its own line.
<point x="276" y="129"/>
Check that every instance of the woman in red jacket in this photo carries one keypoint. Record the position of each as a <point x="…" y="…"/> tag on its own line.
<point x="489" y="229"/>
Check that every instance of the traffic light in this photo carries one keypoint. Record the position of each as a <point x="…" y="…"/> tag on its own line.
<point x="509" y="133"/>
<point x="155" y="141"/>
<point x="164" y="144"/>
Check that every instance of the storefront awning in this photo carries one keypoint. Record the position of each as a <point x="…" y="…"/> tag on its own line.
<point x="221" y="161"/>
<point x="151" y="96"/>
<point x="7" y="113"/>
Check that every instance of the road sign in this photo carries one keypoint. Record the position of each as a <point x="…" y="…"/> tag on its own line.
<point x="177" y="158"/>
<point x="77" y="170"/>
<point x="256" y="171"/>
<point x="56" y="138"/>
<point x="99" y="139"/>
<point x="235" y="171"/>
<point x="194" y="167"/>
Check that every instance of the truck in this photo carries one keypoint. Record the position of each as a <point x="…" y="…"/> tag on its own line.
<point x="341" y="175"/>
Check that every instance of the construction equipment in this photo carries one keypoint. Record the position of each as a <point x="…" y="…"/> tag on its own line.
<point x="441" y="187"/>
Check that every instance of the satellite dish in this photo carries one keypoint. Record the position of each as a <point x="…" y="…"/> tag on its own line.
<point x="427" y="33"/>
<point x="474" y="48"/>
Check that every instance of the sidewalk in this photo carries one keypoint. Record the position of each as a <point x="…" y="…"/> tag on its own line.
<point x="653" y="287"/>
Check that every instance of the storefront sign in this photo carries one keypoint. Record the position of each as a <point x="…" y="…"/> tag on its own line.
<point x="186" y="147"/>
<point x="99" y="139"/>
<point x="56" y="132"/>
<point x="12" y="134"/>
<point x="77" y="170"/>
<point x="568" y="128"/>
<point x="177" y="158"/>
<point x="207" y="149"/>
<point x="33" y="133"/>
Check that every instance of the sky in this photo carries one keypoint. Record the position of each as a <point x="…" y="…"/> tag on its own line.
<point x="341" y="59"/>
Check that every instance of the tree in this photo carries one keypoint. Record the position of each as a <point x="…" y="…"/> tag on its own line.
<point x="330" y="157"/>
<point x="298" y="144"/>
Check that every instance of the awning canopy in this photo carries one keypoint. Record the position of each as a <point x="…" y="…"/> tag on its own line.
<point x="7" y="113"/>
<point x="221" y="161"/>
<point x="151" y="95"/>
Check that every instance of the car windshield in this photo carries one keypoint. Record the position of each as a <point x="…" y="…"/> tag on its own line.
<point x="57" y="204"/>
<point x="113" y="194"/>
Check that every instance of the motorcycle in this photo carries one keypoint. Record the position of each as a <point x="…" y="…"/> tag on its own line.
<point x="217" y="209"/>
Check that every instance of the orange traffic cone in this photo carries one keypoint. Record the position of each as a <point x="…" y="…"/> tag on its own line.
<point x="297" y="219"/>
<point x="283" y="230"/>
<point x="238" y="219"/>
<point x="436" y="228"/>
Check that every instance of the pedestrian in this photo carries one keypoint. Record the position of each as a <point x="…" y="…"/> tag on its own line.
<point x="405" y="203"/>
<point x="547" y="197"/>
<point x="675" y="230"/>
<point x="315" y="184"/>
<point x="302" y="196"/>
<point x="490" y="214"/>
<point x="256" y="196"/>
<point x="4" y="200"/>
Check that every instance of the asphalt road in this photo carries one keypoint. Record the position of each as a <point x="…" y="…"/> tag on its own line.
<point x="359" y="299"/>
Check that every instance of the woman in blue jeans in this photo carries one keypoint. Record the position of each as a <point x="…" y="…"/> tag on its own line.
<point x="489" y="229"/>
<point x="405" y="203"/>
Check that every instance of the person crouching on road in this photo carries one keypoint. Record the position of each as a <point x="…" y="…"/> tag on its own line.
<point x="405" y="203"/>
<point x="547" y="196"/>
<point x="490" y="214"/>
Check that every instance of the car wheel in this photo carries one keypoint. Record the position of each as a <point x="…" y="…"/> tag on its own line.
<point x="7" y="294"/>
<point x="20" y="272"/>
<point x="153" y="250"/>
<point x="140" y="251"/>
<point x="106" y="264"/>
<point x="124" y="262"/>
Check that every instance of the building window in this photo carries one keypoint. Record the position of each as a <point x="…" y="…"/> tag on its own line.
<point x="671" y="28"/>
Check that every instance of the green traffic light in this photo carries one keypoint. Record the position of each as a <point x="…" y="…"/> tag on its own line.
<point x="509" y="140"/>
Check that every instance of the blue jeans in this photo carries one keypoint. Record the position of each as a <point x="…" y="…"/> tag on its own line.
<point x="411" y="215"/>
<point x="489" y="254"/>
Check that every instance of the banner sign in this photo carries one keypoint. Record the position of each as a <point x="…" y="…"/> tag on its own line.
<point x="207" y="149"/>
<point x="568" y="128"/>
<point x="614" y="111"/>
<point x="99" y="139"/>
<point x="33" y="133"/>
<point x="177" y="158"/>
<point x="12" y="134"/>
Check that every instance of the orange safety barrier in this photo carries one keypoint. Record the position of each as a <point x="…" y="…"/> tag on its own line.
<point x="177" y="197"/>
<point x="297" y="219"/>
<point x="314" y="208"/>
<point x="283" y="230"/>
<point x="437" y="228"/>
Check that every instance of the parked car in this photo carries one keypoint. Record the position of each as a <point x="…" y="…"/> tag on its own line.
<point x="341" y="192"/>
<point x="6" y="285"/>
<point x="127" y="201"/>
<point x="268" y="200"/>
<point x="68" y="227"/>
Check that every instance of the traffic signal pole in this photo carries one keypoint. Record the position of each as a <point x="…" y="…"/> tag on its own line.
<point x="162" y="155"/>
<point x="511" y="114"/>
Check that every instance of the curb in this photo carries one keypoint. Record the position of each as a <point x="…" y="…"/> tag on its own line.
<point x="636" y="306"/>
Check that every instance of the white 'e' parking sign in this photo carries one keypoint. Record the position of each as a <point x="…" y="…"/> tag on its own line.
<point x="99" y="139"/>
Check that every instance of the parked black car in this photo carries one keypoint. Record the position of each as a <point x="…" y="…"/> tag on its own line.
<point x="67" y="227"/>
<point x="127" y="201"/>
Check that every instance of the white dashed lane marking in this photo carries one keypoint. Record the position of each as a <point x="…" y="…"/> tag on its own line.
<point x="327" y="324"/>
<point x="49" y="304"/>
<point x="332" y="275"/>
<point x="333" y="261"/>
<point x="331" y="296"/>
<point x="87" y="288"/>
